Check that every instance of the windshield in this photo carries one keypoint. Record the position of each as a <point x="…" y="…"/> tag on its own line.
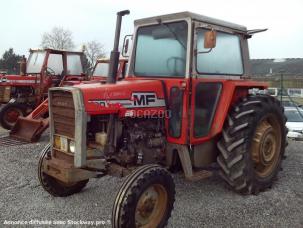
<point x="101" y="70"/>
<point x="35" y="62"/>
<point x="294" y="115"/>
<point x="161" y="50"/>
<point x="74" y="64"/>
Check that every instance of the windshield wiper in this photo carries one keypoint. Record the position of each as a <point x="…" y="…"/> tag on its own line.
<point x="173" y="33"/>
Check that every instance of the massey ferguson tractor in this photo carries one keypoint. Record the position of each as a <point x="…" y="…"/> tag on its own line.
<point x="45" y="68"/>
<point x="187" y="103"/>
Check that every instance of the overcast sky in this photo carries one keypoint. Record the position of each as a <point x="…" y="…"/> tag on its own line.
<point x="22" y="23"/>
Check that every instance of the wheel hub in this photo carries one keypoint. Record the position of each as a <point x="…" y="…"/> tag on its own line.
<point x="265" y="147"/>
<point x="265" y="144"/>
<point x="147" y="203"/>
<point x="12" y="116"/>
<point x="151" y="206"/>
<point x="268" y="148"/>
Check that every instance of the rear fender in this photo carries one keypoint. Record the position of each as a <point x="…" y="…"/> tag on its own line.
<point x="232" y="92"/>
<point x="231" y="95"/>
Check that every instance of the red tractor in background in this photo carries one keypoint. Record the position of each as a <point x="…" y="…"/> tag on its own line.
<point x="30" y="128"/>
<point x="45" y="68"/>
<point x="101" y="70"/>
<point x="186" y="104"/>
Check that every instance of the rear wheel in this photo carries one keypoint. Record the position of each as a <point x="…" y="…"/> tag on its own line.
<point x="9" y="114"/>
<point x="253" y="144"/>
<point x="52" y="185"/>
<point x="145" y="199"/>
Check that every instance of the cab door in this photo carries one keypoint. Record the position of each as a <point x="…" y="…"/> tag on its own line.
<point x="213" y="70"/>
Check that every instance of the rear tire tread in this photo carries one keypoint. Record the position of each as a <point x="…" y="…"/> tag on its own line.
<point x="234" y="158"/>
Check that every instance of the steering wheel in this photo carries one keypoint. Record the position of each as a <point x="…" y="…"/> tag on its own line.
<point x="175" y="64"/>
<point x="50" y="71"/>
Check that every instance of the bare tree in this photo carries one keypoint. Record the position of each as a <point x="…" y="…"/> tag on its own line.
<point x="58" y="38"/>
<point x="94" y="50"/>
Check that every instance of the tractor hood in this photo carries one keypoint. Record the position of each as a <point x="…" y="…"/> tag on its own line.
<point x="123" y="96"/>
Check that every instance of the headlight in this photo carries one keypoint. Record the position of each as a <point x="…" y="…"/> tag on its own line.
<point x="61" y="143"/>
<point x="57" y="143"/>
<point x="72" y="146"/>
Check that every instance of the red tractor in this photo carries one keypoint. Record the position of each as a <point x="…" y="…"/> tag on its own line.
<point x="30" y="128"/>
<point x="45" y="68"/>
<point x="186" y="104"/>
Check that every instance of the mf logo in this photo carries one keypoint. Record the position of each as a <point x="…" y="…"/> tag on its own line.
<point x="146" y="99"/>
<point x="143" y="99"/>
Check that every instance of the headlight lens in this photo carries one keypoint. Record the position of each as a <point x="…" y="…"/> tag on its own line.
<point x="57" y="143"/>
<point x="61" y="143"/>
<point x="72" y="146"/>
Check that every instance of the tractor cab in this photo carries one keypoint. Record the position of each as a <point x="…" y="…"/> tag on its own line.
<point x="45" y="68"/>
<point x="185" y="45"/>
<point x="55" y="65"/>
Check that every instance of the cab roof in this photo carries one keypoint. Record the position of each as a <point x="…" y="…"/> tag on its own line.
<point x="193" y="16"/>
<point x="105" y="59"/>
<point x="55" y="50"/>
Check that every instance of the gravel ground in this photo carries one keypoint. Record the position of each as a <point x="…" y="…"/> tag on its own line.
<point x="2" y="131"/>
<point x="207" y="203"/>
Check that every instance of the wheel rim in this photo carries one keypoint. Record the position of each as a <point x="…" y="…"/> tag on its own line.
<point x="12" y="115"/>
<point x="151" y="206"/>
<point x="266" y="146"/>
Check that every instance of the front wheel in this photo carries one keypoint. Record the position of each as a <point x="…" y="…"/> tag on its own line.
<point x="253" y="144"/>
<point x="9" y="114"/>
<point x="52" y="185"/>
<point x="145" y="199"/>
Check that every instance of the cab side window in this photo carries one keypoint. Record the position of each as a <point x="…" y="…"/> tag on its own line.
<point x="206" y="99"/>
<point x="74" y="65"/>
<point x="55" y="63"/>
<point x="225" y="58"/>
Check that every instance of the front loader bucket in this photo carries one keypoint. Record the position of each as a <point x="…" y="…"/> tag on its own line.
<point x="28" y="130"/>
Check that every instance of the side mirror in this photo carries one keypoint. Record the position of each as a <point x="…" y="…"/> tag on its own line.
<point x="126" y="43"/>
<point x="210" y="39"/>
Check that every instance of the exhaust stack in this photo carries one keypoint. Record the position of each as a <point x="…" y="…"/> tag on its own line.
<point x="115" y="54"/>
<point x="23" y="66"/>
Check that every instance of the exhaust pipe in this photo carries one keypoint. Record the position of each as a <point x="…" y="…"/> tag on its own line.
<point x="111" y="79"/>
<point x="23" y="66"/>
<point x="115" y="54"/>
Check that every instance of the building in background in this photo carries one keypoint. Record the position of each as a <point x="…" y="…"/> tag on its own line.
<point x="273" y="71"/>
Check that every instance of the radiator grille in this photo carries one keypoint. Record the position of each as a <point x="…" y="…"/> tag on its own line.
<point x="63" y="113"/>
